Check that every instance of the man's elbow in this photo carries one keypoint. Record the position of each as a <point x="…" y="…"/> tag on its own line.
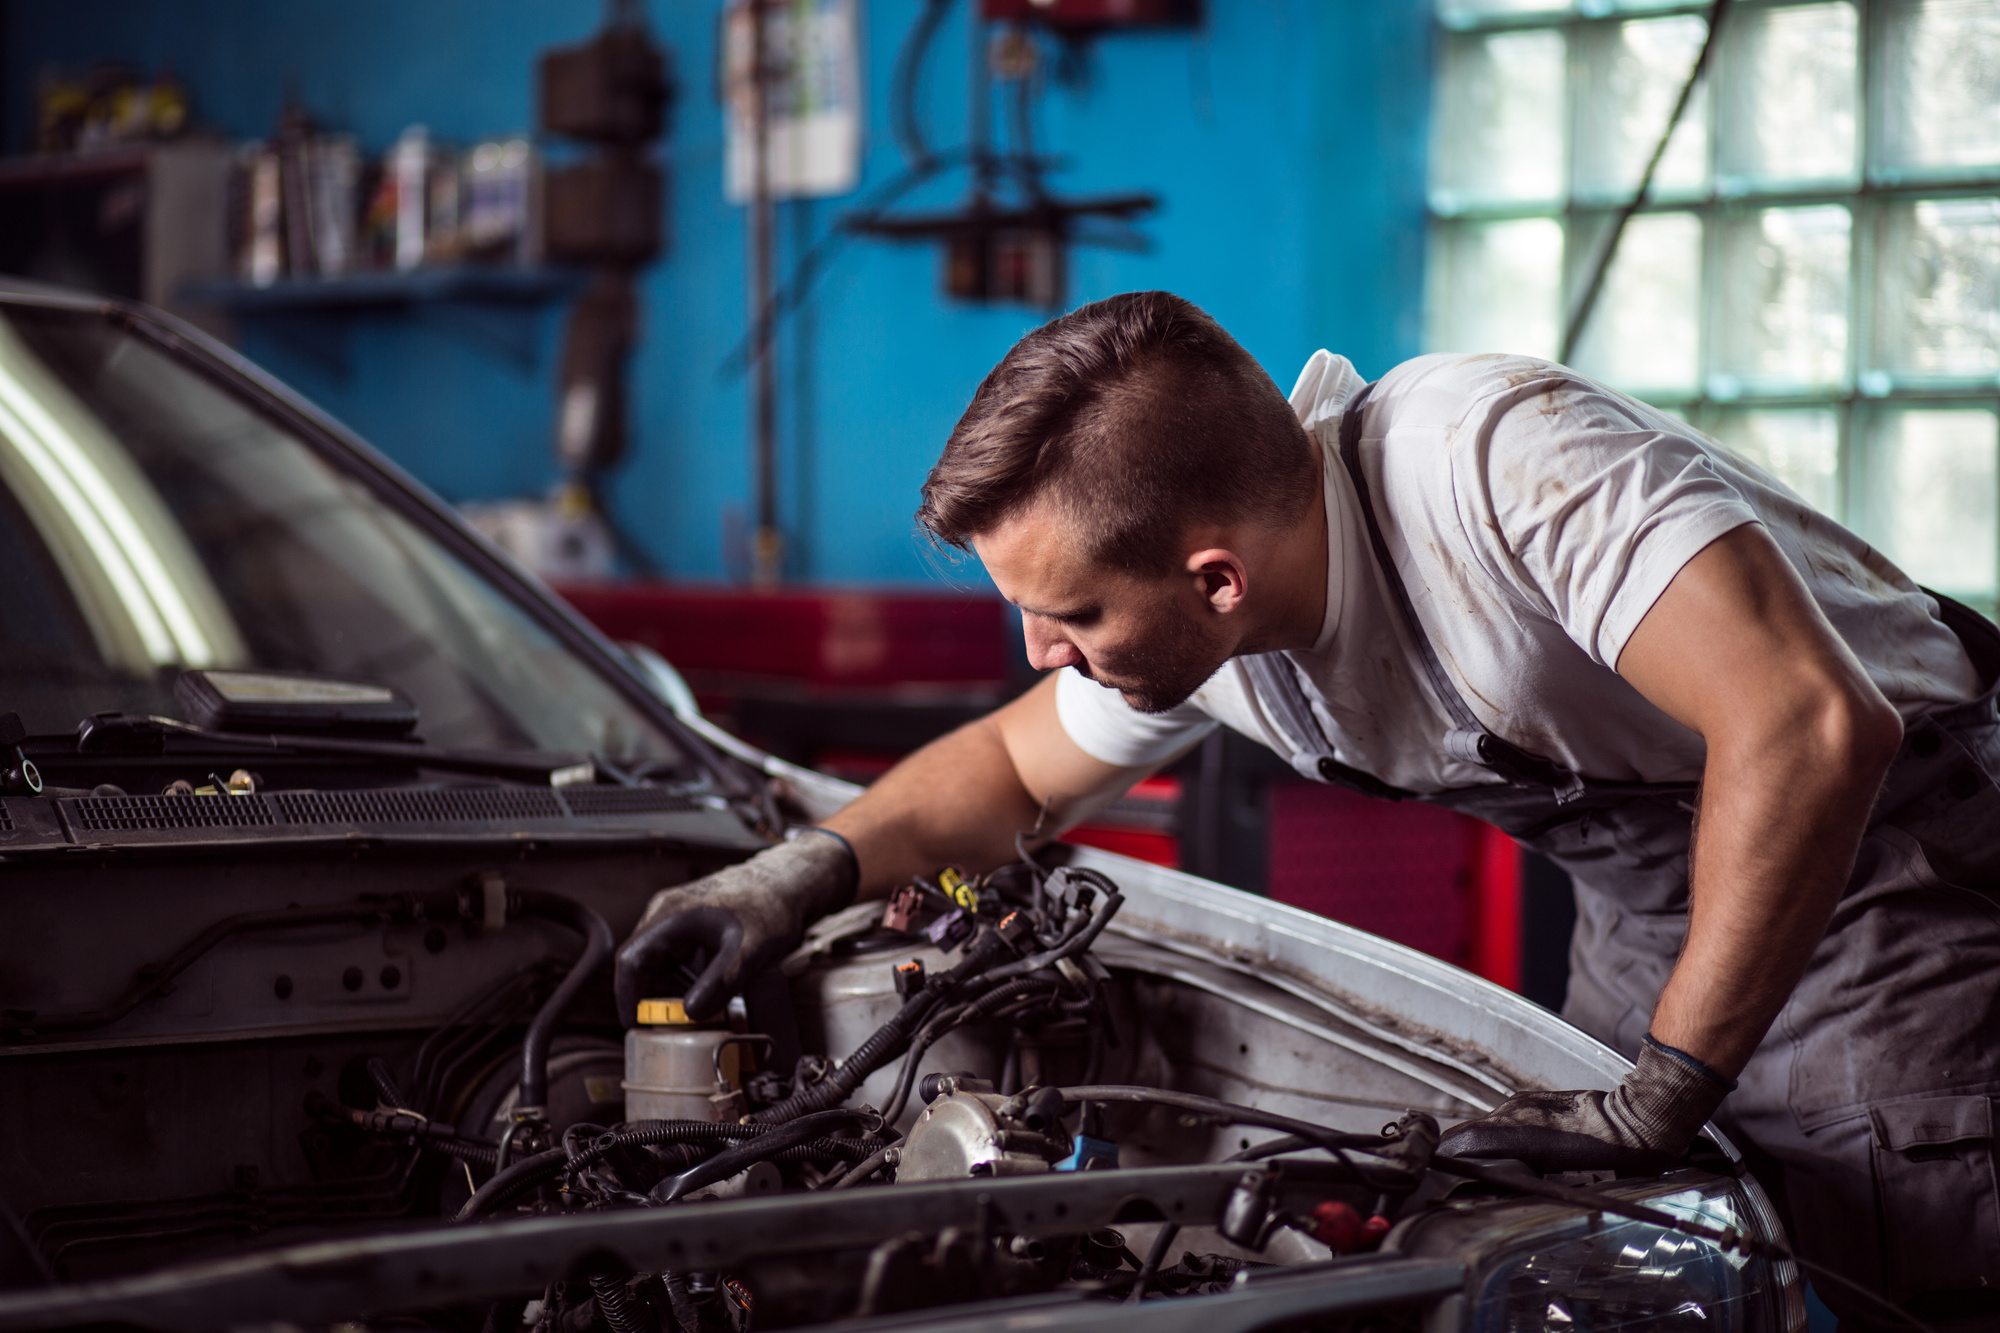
<point x="1857" y="731"/>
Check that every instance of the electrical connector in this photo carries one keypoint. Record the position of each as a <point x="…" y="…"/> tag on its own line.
<point x="950" y="930"/>
<point x="901" y="912"/>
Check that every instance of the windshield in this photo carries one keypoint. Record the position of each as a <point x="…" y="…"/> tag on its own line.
<point x="150" y="522"/>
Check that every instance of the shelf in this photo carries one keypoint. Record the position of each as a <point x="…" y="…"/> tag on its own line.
<point x="468" y="286"/>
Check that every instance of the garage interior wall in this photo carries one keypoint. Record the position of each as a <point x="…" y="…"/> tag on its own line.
<point x="1285" y="139"/>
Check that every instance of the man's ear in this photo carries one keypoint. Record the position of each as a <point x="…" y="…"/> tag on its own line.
<point x="1220" y="577"/>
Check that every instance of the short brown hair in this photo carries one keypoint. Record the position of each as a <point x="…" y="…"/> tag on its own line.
<point x="1140" y="417"/>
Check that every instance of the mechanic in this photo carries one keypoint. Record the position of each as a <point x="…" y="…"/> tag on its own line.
<point x="1488" y="583"/>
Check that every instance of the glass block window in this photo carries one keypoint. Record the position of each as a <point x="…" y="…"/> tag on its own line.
<point x="1814" y="278"/>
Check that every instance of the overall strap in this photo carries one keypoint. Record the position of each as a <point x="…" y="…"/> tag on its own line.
<point x="1276" y="684"/>
<point x="1467" y="740"/>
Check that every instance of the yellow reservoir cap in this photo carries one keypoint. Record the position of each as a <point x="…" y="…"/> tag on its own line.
<point x="663" y="1012"/>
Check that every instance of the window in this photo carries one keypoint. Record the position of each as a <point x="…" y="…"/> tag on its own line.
<point x="1814" y="278"/>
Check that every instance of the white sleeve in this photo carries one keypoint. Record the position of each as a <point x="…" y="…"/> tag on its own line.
<point x="1599" y="507"/>
<point x="1099" y="720"/>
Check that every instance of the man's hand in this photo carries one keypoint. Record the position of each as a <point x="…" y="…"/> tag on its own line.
<point x="742" y="920"/>
<point x="1644" y="1124"/>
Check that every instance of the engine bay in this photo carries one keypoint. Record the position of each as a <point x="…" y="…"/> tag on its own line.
<point x="987" y="1089"/>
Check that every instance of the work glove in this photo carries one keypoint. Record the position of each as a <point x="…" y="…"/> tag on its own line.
<point x="1645" y="1124"/>
<point x="742" y="920"/>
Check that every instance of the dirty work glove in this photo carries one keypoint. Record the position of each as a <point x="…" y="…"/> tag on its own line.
<point x="744" y="919"/>
<point x="1644" y="1124"/>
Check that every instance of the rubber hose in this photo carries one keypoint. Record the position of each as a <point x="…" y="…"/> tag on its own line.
<point x="530" y="1172"/>
<point x="723" y="1165"/>
<point x="938" y="1027"/>
<point x="597" y="946"/>
<point x="385" y="1085"/>
<point x="888" y="1040"/>
<point x="614" y="1302"/>
<point x="466" y="1150"/>
<point x="685" y="1313"/>
<point x="870" y="1164"/>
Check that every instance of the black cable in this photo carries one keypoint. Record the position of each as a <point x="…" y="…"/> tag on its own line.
<point x="792" y="292"/>
<point x="471" y="1027"/>
<point x="904" y="122"/>
<point x="794" y="1134"/>
<point x="1154" y="1258"/>
<point x="1574" y="331"/>
<point x="385" y="1084"/>
<point x="532" y="1172"/>
<point x="685" y="1312"/>
<point x="1333" y="1141"/>
<point x="1257" y="1152"/>
<point x="614" y="1302"/>
<point x="941" y="1024"/>
<point x="889" y="1040"/>
<point x="597" y="946"/>
<point x="1072" y="943"/>
<point x="869" y="1165"/>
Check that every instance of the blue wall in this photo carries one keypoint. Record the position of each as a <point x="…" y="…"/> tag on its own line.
<point x="1285" y="138"/>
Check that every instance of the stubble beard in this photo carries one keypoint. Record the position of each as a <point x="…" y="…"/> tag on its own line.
<point x="1169" y="661"/>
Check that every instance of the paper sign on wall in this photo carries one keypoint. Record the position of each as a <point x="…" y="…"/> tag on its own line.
<point x="813" y="53"/>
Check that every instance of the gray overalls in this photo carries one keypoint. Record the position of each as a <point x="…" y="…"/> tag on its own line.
<point x="1867" y="1110"/>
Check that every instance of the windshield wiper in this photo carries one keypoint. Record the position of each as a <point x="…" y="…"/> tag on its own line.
<point x="118" y="735"/>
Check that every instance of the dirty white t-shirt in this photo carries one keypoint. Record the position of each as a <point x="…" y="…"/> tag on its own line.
<point x="1535" y="518"/>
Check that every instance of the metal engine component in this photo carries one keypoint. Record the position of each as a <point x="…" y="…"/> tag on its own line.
<point x="681" y="1072"/>
<point x="970" y="1130"/>
<point x="754" y="1181"/>
<point x="842" y="998"/>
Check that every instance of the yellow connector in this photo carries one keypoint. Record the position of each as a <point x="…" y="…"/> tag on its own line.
<point x="952" y="881"/>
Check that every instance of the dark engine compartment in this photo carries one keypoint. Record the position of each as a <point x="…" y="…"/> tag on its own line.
<point x="187" y="1125"/>
<point x="328" y="1033"/>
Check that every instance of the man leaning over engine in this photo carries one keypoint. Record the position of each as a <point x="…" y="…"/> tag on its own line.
<point x="1490" y="584"/>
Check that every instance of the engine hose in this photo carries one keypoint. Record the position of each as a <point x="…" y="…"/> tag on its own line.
<point x="870" y="1164"/>
<point x="614" y="1302"/>
<point x="943" y="1023"/>
<point x="685" y="1313"/>
<point x="1069" y="947"/>
<point x="385" y="1084"/>
<point x="483" y="1155"/>
<point x="597" y="946"/>
<point x="889" y="1039"/>
<point x="793" y="1134"/>
<point x="1334" y="1141"/>
<point x="530" y="1172"/>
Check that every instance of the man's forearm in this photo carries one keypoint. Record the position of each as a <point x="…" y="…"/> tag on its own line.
<point x="957" y="801"/>
<point x="1775" y="845"/>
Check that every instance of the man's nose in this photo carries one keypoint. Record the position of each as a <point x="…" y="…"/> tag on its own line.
<point x="1047" y="650"/>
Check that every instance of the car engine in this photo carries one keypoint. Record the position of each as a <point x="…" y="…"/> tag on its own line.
<point x="956" y="1096"/>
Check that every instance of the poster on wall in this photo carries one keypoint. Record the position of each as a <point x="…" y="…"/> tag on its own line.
<point x="812" y="50"/>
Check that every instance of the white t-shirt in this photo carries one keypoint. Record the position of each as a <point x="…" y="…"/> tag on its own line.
<point x="1535" y="518"/>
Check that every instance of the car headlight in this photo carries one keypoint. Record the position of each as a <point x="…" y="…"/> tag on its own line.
<point x="1545" y="1266"/>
